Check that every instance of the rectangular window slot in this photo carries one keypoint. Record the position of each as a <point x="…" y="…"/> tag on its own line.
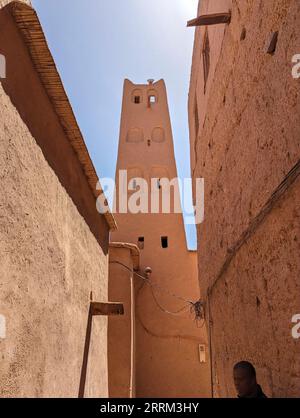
<point x="164" y="242"/>
<point x="137" y="99"/>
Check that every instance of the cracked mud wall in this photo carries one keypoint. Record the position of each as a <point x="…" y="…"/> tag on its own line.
<point x="248" y="140"/>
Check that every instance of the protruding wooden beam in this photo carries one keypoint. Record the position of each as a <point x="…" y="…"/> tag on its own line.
<point x="107" y="309"/>
<point x="212" y="19"/>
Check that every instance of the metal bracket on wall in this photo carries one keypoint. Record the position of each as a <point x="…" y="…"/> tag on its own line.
<point x="212" y="19"/>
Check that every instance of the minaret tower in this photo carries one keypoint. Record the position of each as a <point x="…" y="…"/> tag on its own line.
<point x="168" y="346"/>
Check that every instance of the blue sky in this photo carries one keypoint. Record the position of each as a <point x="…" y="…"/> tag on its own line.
<point x="96" y="44"/>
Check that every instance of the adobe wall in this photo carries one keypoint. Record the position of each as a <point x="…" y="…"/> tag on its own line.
<point x="50" y="259"/>
<point x="21" y="83"/>
<point x="248" y="140"/>
<point x="168" y="361"/>
<point x="121" y="329"/>
<point x="253" y="305"/>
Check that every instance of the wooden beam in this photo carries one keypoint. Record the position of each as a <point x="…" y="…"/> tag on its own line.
<point x="107" y="309"/>
<point x="212" y="19"/>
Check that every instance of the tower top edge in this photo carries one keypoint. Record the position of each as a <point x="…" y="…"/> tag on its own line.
<point x="150" y="82"/>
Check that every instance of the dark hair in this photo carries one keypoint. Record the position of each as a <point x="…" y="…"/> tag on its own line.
<point x="246" y="365"/>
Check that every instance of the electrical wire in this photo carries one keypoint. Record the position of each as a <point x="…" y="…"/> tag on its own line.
<point x="196" y="308"/>
<point x="165" y="310"/>
<point x="155" y="334"/>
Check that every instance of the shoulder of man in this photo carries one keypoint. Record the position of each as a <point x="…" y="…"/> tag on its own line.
<point x="260" y="393"/>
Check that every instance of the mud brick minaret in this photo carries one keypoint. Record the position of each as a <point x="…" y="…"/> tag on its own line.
<point x="167" y="347"/>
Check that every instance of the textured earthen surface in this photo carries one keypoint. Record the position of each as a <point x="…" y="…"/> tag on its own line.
<point x="21" y="82"/>
<point x="248" y="140"/>
<point x="50" y="264"/>
<point x="50" y="259"/>
<point x="253" y="305"/>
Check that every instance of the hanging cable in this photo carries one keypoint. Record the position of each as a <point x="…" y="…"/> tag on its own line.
<point x="155" y="334"/>
<point x="165" y="310"/>
<point x="196" y="308"/>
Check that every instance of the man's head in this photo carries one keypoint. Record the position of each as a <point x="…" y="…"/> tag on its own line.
<point x="244" y="376"/>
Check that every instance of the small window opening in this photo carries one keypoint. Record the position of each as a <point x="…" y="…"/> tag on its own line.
<point x="141" y="243"/>
<point x="152" y="99"/>
<point x="158" y="184"/>
<point x="149" y="143"/>
<point x="272" y="43"/>
<point x="164" y="242"/>
<point x="137" y="99"/>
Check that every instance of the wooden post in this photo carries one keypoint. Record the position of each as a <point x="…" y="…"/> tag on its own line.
<point x="96" y="309"/>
